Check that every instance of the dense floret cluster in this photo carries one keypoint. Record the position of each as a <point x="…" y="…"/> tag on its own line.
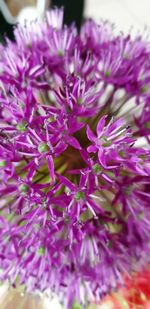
<point x="74" y="158"/>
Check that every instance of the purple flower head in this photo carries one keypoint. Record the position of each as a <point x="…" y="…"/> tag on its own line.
<point x="74" y="159"/>
<point x="111" y="142"/>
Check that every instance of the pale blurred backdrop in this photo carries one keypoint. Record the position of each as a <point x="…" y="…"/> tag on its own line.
<point x="124" y="13"/>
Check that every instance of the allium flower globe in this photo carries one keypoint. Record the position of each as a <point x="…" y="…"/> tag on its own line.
<point x="74" y="159"/>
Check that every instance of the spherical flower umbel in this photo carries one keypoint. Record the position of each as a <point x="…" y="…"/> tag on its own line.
<point x="74" y="182"/>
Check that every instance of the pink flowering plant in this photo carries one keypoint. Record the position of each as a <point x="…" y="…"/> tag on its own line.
<point x="74" y="159"/>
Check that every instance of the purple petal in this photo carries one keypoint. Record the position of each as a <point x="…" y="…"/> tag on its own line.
<point x="90" y="134"/>
<point x="92" y="149"/>
<point x="102" y="157"/>
<point x="72" y="141"/>
<point x="50" y="163"/>
<point x="101" y="125"/>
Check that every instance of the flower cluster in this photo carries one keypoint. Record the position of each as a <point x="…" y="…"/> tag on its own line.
<point x="74" y="184"/>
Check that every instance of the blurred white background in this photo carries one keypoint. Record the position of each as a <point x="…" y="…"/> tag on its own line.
<point x="124" y="13"/>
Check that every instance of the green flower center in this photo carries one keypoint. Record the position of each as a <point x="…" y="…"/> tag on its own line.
<point x="144" y="89"/>
<point x="76" y="306"/>
<point x="79" y="101"/>
<point x="41" y="251"/>
<point x="60" y="53"/>
<point x="10" y="217"/>
<point x="79" y="196"/>
<point x="122" y="154"/>
<point x="2" y="163"/>
<point x="23" y="188"/>
<point x="147" y="125"/>
<point x="43" y="147"/>
<point x="106" y="142"/>
<point x="107" y="73"/>
<point x="22" y="126"/>
<point x="97" y="168"/>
